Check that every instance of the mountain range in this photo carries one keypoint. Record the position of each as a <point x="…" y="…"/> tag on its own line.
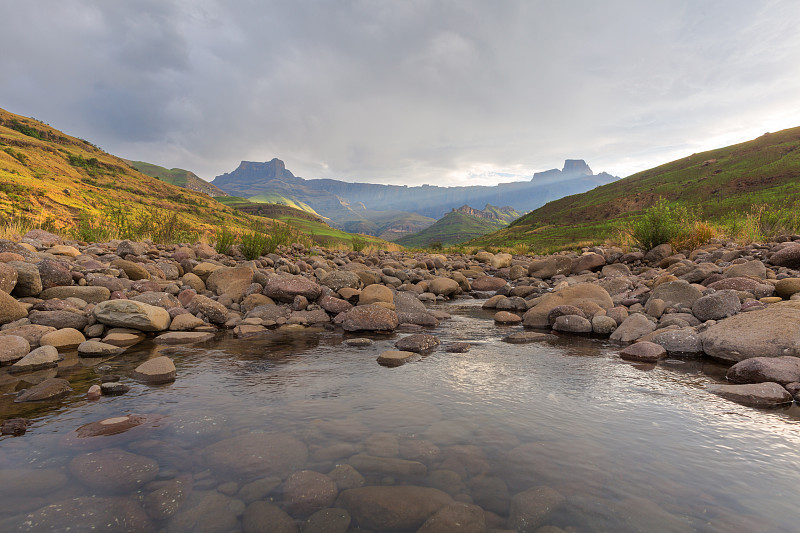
<point x="358" y="206"/>
<point x="460" y="225"/>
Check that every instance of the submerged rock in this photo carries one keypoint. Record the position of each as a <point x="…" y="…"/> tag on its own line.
<point x="768" y="394"/>
<point x="391" y="508"/>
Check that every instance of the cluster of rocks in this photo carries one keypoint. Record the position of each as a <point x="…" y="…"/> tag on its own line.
<point x="723" y="301"/>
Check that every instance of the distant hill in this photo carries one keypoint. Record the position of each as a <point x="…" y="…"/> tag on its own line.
<point x="347" y="203"/>
<point x="177" y="176"/>
<point x="460" y="225"/>
<point x="719" y="185"/>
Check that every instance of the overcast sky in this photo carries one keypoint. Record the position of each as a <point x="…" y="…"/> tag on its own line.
<point x="443" y="92"/>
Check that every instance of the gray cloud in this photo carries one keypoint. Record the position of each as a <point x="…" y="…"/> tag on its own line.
<point x="404" y="92"/>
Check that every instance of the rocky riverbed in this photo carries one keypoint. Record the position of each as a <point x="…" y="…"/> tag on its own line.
<point x="72" y="309"/>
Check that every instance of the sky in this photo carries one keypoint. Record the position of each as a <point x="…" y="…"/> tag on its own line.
<point x="409" y="92"/>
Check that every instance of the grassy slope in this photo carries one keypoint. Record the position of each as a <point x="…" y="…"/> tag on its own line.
<point x="45" y="173"/>
<point x="275" y="198"/>
<point x="453" y="228"/>
<point x="177" y="176"/>
<point x="720" y="185"/>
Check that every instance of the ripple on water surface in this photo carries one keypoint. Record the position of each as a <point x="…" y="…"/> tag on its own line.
<point x="285" y="428"/>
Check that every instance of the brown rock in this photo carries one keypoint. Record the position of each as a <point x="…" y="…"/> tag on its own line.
<point x="781" y="370"/>
<point x="154" y="371"/>
<point x="536" y="317"/>
<point x="306" y="492"/>
<point x="48" y="389"/>
<point x="646" y="352"/>
<point x="10" y="310"/>
<point x="371" y="317"/>
<point x="756" y="394"/>
<point x="113" y="470"/>
<point x="388" y="508"/>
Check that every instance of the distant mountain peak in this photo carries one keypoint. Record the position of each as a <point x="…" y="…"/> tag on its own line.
<point x="577" y="167"/>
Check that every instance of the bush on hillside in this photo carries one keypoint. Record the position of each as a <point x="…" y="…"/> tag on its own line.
<point x="658" y="225"/>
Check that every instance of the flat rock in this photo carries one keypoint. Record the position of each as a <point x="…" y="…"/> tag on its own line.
<point x="49" y="389"/>
<point x="89" y="294"/>
<point x="524" y="337"/>
<point x="92" y="348"/>
<point x="132" y="314"/>
<point x="359" y="342"/>
<point x="781" y="370"/>
<point x="504" y="317"/>
<point x="390" y="508"/>
<point x="285" y="288"/>
<point x="371" y="317"/>
<point x="397" y="357"/>
<point x="767" y="394"/>
<point x="63" y="339"/>
<point x="59" y="319"/>
<point x="255" y="455"/>
<point x="770" y="332"/>
<point x="488" y="283"/>
<point x="183" y="337"/>
<point x="154" y="371"/>
<point x="90" y="513"/>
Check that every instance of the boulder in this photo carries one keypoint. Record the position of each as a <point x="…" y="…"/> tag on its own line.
<point x="770" y="332"/>
<point x="488" y="284"/>
<point x="787" y="287"/>
<point x="132" y="314"/>
<point x="285" y="288"/>
<point x="31" y="333"/>
<point x="53" y="274"/>
<point x="750" y="269"/>
<point x="757" y="288"/>
<point x="29" y="283"/>
<point x="59" y="319"/>
<point x="41" y="357"/>
<point x="536" y="317"/>
<point x="530" y="509"/>
<point x="214" y="311"/>
<point x="232" y="281"/>
<point x="163" y="300"/>
<point x="262" y="517"/>
<point x="397" y="358"/>
<point x="49" y="389"/>
<point x="457" y="517"/>
<point x="10" y="309"/>
<point x="8" y="278"/>
<point x="154" y="371"/>
<point x="504" y="317"/>
<point x="391" y="508"/>
<point x="89" y="294"/>
<point x="92" y="348"/>
<point x="12" y="349"/>
<point x="340" y="279"/>
<point x="134" y="271"/>
<point x="417" y="342"/>
<point x="371" y="317"/>
<point x="603" y="325"/>
<point x="588" y="261"/>
<point x="444" y="287"/>
<point x="682" y="341"/>
<point x="501" y="260"/>
<point x="646" y="352"/>
<point x="306" y="492"/>
<point x="89" y="513"/>
<point x="256" y="455"/>
<point x="781" y="370"/>
<point x="375" y="293"/>
<point x="183" y="337"/>
<point x="550" y="266"/>
<point x="572" y="324"/>
<point x="113" y="470"/>
<point x="677" y="292"/>
<point x="716" y="306"/>
<point x="789" y="256"/>
<point x="328" y="521"/>
<point x="128" y="247"/>
<point x="632" y="328"/>
<point x="659" y="253"/>
<point x="755" y="394"/>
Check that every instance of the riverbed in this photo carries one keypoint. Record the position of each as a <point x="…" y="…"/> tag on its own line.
<point x="626" y="447"/>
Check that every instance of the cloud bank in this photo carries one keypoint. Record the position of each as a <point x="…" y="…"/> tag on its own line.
<point x="444" y="92"/>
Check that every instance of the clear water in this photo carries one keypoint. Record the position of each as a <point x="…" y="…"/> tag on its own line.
<point x="631" y="448"/>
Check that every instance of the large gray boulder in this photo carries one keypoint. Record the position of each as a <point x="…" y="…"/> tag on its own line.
<point x="755" y="394"/>
<point x="632" y="328"/>
<point x="550" y="266"/>
<point x="285" y="288"/>
<point x="716" y="306"/>
<point x="537" y="316"/>
<point x="132" y="314"/>
<point x="677" y="292"/>
<point x="372" y="317"/>
<point x="782" y="370"/>
<point x="770" y="332"/>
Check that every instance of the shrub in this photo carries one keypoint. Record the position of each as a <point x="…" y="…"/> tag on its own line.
<point x="658" y="225"/>
<point x="436" y="246"/>
<point x="225" y="238"/>
<point x="255" y="244"/>
<point x="358" y="244"/>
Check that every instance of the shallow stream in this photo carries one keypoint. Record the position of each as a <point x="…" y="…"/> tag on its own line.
<point x="629" y="447"/>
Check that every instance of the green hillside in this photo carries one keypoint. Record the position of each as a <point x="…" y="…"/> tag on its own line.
<point x="177" y="176"/>
<point x="719" y="186"/>
<point x="275" y="198"/>
<point x="453" y="228"/>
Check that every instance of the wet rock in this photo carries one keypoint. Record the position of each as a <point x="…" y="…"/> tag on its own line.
<point x="12" y="349"/>
<point x="269" y="312"/>
<point x="397" y="358"/>
<point x="89" y="513"/>
<point x="457" y="347"/>
<point x="208" y="512"/>
<point x="10" y="309"/>
<point x="677" y="292"/>
<point x="781" y="370"/>
<point x="767" y="394"/>
<point x="113" y="470"/>
<point x="59" y="319"/>
<point x="31" y="333"/>
<point x="346" y="477"/>
<point x="444" y="286"/>
<point x="167" y="497"/>
<point x="94" y="392"/>
<point x="92" y="295"/>
<point x="683" y="341"/>
<point x="603" y="325"/>
<point x="491" y="493"/>
<point x="524" y="337"/>
<point x="155" y="371"/>
<point x="15" y="427"/>
<point x="263" y="517"/>
<point x="770" y="332"/>
<point x="110" y="426"/>
<point x="575" y="295"/>
<point x="41" y="357"/>
<point x="92" y="348"/>
<point x="458" y="517"/>
<point x="572" y="324"/>
<point x="550" y="266"/>
<point x="63" y="339"/>
<point x="306" y="492"/>
<point x="633" y="327"/>
<point x="504" y="317"/>
<point x="328" y="521"/>
<point x="386" y="465"/>
<point x="646" y="352"/>
<point x="183" y="337"/>
<point x="255" y="455"/>
<point x="131" y="314"/>
<point x="185" y="322"/>
<point x="285" y="288"/>
<point x="530" y="509"/>
<point x="392" y="508"/>
<point x="418" y="342"/>
<point x="113" y="388"/>
<point x="371" y="317"/>
<point x="215" y="312"/>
